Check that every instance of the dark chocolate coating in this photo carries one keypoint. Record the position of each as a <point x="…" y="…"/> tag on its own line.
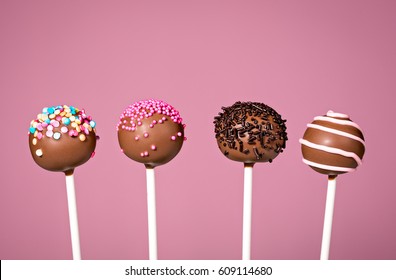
<point x="159" y="138"/>
<point x="333" y="140"/>
<point x="250" y="132"/>
<point x="63" y="154"/>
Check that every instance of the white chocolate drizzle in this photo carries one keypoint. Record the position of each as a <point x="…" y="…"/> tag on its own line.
<point x="328" y="167"/>
<point x="336" y="131"/>
<point x="337" y="121"/>
<point x="330" y="113"/>
<point x="331" y="150"/>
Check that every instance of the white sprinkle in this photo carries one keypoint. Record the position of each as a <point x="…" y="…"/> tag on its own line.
<point x="39" y="152"/>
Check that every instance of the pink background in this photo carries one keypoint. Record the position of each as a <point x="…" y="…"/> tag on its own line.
<point x="300" y="57"/>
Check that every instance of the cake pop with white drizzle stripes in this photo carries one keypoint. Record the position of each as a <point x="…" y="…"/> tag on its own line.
<point x="333" y="144"/>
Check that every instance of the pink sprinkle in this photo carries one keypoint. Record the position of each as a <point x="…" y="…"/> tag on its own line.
<point x="153" y="147"/>
<point x="93" y="154"/>
<point x="133" y="128"/>
<point x="146" y="153"/>
<point x="154" y="122"/>
<point x="151" y="125"/>
<point x="58" y="118"/>
<point x="50" y="127"/>
<point x="54" y="123"/>
<point x="185" y="138"/>
<point x="49" y="133"/>
<point x="122" y="151"/>
<point x="179" y="134"/>
<point x="173" y="137"/>
<point x="64" y="129"/>
<point x="73" y="133"/>
<point x="39" y="127"/>
<point x="39" y="135"/>
<point x="137" y="138"/>
<point x="86" y="131"/>
<point x="142" y="154"/>
<point x="146" y="135"/>
<point x="138" y="111"/>
<point x="44" y="124"/>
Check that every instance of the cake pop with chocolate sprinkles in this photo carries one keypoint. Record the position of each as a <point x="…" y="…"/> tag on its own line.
<point x="333" y="144"/>
<point x="250" y="132"/>
<point x="62" y="138"/>
<point x="150" y="132"/>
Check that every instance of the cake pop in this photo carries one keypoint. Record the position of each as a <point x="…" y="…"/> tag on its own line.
<point x="150" y="132"/>
<point x="62" y="138"/>
<point x="250" y="132"/>
<point x="333" y="144"/>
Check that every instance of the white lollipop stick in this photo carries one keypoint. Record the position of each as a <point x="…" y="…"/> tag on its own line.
<point x="328" y="219"/>
<point x="247" y="211"/>
<point x="152" y="217"/>
<point x="72" y="205"/>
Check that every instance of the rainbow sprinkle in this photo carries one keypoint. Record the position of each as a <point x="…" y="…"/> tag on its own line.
<point x="55" y="121"/>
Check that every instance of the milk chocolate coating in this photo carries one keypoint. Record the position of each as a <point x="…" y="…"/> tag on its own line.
<point x="64" y="154"/>
<point x="62" y="138"/>
<point x="158" y="145"/>
<point x="250" y="132"/>
<point x="348" y="152"/>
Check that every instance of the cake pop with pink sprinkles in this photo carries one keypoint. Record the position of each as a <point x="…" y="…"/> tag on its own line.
<point x="150" y="132"/>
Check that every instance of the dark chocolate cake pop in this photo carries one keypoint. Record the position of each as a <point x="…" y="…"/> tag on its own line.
<point x="150" y="132"/>
<point x="250" y="132"/>
<point x="62" y="138"/>
<point x="333" y="144"/>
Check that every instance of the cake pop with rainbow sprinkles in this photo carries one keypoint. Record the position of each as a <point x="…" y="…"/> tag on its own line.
<point x="62" y="138"/>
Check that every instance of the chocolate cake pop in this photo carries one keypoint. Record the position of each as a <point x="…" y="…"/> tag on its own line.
<point x="62" y="138"/>
<point x="250" y="132"/>
<point x="333" y="144"/>
<point x="150" y="132"/>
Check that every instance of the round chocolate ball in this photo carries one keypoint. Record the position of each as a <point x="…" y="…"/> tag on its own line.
<point x="333" y="144"/>
<point x="62" y="138"/>
<point x="250" y="132"/>
<point x="150" y="132"/>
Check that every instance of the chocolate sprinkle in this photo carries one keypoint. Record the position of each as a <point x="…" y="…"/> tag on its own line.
<point x="253" y="132"/>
